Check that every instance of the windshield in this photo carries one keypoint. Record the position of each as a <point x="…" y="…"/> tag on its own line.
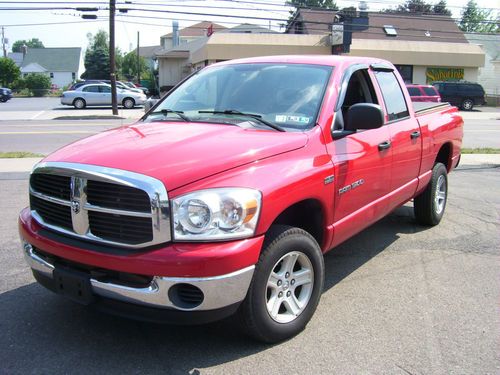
<point x="287" y="95"/>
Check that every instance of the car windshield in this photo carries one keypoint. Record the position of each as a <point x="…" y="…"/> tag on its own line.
<point x="286" y="95"/>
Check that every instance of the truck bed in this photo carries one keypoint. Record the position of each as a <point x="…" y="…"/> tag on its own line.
<point x="427" y="107"/>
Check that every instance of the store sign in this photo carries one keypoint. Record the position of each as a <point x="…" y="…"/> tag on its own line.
<point x="444" y="74"/>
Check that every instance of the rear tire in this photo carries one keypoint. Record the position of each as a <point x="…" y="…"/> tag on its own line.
<point x="79" y="103"/>
<point x="467" y="105"/>
<point x="128" y="103"/>
<point x="286" y="286"/>
<point x="429" y="206"/>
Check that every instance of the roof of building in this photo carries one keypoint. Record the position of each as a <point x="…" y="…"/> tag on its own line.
<point x="17" y="57"/>
<point x="248" y="28"/>
<point x="183" y="50"/>
<point x="489" y="43"/>
<point x="198" y="29"/>
<point x="414" y="27"/>
<point x="54" y="59"/>
<point x="148" y="51"/>
<point x="314" y="21"/>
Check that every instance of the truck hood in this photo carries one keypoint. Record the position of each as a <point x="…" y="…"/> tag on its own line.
<point x="178" y="153"/>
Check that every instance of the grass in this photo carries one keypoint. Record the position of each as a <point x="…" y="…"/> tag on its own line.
<point x="481" y="150"/>
<point x="19" y="154"/>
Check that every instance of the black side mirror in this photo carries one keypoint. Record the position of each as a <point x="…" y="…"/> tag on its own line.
<point x="364" y="116"/>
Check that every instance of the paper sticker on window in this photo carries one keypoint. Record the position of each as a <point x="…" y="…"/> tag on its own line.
<point x="299" y="119"/>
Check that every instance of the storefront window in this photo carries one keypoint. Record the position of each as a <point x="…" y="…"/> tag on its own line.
<point x="406" y="72"/>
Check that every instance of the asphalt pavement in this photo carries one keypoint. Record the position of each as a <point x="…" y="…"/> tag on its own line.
<point x="398" y="299"/>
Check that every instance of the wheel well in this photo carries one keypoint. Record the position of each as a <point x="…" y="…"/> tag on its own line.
<point x="444" y="155"/>
<point x="128" y="98"/>
<point x="307" y="215"/>
<point x="74" y="100"/>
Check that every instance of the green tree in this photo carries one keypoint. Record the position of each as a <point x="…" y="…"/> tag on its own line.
<point x="475" y="19"/>
<point x="38" y="83"/>
<point x="324" y="4"/>
<point x="97" y="57"/>
<point x="32" y="43"/>
<point x="129" y="67"/>
<point x="9" y="71"/>
<point x="441" y="8"/>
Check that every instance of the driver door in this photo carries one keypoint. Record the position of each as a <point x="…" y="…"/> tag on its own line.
<point x="362" y="163"/>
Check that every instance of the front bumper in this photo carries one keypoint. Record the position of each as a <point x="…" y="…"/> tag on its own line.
<point x="219" y="274"/>
<point x="218" y="291"/>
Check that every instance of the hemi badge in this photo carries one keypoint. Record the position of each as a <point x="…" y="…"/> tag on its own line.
<point x="329" y="179"/>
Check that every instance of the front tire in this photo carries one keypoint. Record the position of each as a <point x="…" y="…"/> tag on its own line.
<point x="286" y="286"/>
<point x="429" y="206"/>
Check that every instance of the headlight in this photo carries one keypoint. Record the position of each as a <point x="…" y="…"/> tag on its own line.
<point x="216" y="214"/>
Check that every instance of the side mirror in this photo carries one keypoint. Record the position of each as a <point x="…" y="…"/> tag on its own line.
<point x="364" y="116"/>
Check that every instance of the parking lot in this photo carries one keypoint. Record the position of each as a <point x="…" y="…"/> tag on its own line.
<point x="398" y="299"/>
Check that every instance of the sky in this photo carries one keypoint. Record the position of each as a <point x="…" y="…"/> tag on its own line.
<point x="21" y="24"/>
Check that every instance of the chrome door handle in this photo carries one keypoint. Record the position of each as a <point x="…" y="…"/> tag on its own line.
<point x="415" y="135"/>
<point x="384" y="145"/>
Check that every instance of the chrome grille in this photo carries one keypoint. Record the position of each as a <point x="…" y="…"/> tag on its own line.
<point x="104" y="205"/>
<point x="52" y="213"/>
<point x="117" y="196"/>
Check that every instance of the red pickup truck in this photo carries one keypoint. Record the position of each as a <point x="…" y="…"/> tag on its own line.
<point x="224" y="197"/>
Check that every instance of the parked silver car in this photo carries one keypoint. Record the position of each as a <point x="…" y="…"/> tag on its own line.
<point x="100" y="94"/>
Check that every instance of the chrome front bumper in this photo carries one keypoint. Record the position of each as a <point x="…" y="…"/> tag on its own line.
<point x="218" y="291"/>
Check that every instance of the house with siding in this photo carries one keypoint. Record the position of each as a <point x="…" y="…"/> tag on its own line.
<point x="60" y="64"/>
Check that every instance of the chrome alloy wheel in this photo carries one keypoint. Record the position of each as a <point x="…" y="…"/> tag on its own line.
<point x="440" y="196"/>
<point x="289" y="287"/>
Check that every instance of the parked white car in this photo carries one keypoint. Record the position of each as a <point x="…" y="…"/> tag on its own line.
<point x="100" y="94"/>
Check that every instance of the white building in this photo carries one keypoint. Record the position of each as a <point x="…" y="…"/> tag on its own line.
<point x="60" y="64"/>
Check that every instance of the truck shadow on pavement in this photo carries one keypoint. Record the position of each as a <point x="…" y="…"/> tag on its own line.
<point x="44" y="333"/>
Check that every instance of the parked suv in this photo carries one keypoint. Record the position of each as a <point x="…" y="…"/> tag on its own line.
<point x="462" y="94"/>
<point x="423" y="93"/>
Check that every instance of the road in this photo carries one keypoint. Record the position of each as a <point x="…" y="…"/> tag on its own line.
<point x="35" y="132"/>
<point x="398" y="299"/>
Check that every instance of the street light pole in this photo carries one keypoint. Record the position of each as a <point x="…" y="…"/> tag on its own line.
<point x="112" y="10"/>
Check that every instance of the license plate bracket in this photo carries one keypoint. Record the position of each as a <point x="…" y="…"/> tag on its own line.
<point x="73" y="284"/>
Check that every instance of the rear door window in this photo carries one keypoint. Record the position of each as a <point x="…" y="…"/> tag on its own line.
<point x="430" y="91"/>
<point x="394" y="99"/>
<point x="414" y="91"/>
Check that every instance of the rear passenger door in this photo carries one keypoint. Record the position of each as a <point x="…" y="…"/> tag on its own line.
<point x="405" y="137"/>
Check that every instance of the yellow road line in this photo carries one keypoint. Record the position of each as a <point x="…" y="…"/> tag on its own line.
<point x="50" y="132"/>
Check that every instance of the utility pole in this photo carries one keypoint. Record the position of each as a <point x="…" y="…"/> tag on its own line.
<point x="112" y="68"/>
<point x="138" y="62"/>
<point x="3" y="42"/>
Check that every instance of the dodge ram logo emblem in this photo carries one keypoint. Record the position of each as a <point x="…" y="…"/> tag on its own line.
<point x="75" y="206"/>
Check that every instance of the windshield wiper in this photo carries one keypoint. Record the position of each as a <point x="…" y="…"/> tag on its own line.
<point x="167" y="111"/>
<point x="252" y="115"/>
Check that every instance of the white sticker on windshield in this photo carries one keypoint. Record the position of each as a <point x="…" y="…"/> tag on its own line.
<point x="285" y="118"/>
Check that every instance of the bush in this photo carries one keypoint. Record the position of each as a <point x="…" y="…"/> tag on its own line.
<point x="38" y="84"/>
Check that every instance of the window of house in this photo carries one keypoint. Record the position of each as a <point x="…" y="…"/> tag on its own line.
<point x="51" y="75"/>
<point x="73" y="75"/>
<point x="394" y="99"/>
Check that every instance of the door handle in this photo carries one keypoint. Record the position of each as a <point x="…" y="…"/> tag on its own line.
<point x="384" y="145"/>
<point x="415" y="135"/>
